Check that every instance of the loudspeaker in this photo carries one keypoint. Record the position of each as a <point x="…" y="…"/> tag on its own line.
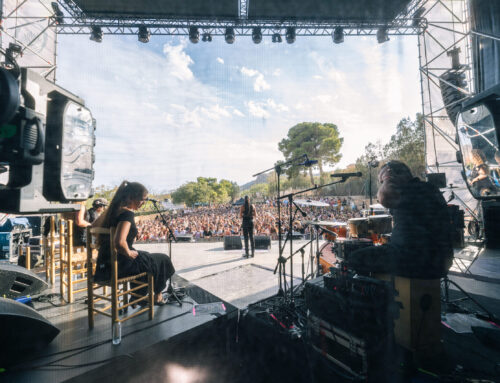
<point x="491" y="216"/>
<point x="262" y="242"/>
<point x="232" y="242"/>
<point x="22" y="328"/>
<point x="16" y="281"/>
<point x="451" y="96"/>
<point x="437" y="179"/>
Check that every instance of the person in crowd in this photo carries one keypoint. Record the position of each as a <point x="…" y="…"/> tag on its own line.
<point x="421" y="242"/>
<point x="97" y="208"/>
<point x="80" y="223"/>
<point x="480" y="175"/>
<point x="247" y="214"/>
<point x="129" y="197"/>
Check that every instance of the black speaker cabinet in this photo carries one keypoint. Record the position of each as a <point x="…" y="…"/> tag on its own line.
<point x="16" y="281"/>
<point x="491" y="217"/>
<point x="232" y="242"/>
<point x="22" y="328"/>
<point x="262" y="242"/>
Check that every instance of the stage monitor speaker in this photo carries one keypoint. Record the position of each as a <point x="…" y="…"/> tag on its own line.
<point x="22" y="328"/>
<point x="232" y="242"/>
<point x="16" y="281"/>
<point x="262" y="242"/>
<point x="437" y="179"/>
<point x="491" y="216"/>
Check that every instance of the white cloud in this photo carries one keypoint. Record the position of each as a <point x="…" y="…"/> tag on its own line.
<point x="317" y="77"/>
<point x="260" y="84"/>
<point x="236" y="112"/>
<point x="249" y="72"/>
<point x="262" y="109"/>
<point x="220" y="60"/>
<point x="277" y="72"/>
<point x="178" y="61"/>
<point x="323" y="98"/>
<point x="257" y="109"/>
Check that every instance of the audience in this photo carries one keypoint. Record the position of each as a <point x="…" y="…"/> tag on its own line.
<point x="222" y="220"/>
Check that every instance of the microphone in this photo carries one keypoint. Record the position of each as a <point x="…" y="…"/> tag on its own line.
<point x="152" y="200"/>
<point x="308" y="163"/>
<point x="346" y="175"/>
<point x="304" y="214"/>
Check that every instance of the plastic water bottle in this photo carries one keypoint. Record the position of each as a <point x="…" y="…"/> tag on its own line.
<point x="117" y="333"/>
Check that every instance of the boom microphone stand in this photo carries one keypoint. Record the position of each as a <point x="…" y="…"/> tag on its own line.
<point x="279" y="169"/>
<point x="171" y="237"/>
<point x="290" y="236"/>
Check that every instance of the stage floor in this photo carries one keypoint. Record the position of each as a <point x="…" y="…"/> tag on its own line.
<point x="210" y="274"/>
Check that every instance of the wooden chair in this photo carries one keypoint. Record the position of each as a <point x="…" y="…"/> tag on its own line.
<point x="72" y="262"/>
<point x="119" y="286"/>
<point x="52" y="252"/>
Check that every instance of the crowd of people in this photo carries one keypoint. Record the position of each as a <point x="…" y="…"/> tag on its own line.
<point x="223" y="220"/>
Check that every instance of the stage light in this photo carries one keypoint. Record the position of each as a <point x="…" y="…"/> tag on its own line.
<point x="69" y="156"/>
<point x="143" y="34"/>
<point x="229" y="35"/>
<point x="417" y="16"/>
<point x="276" y="38"/>
<point x="290" y="35"/>
<point x="257" y="35"/>
<point x="338" y="35"/>
<point x="58" y="15"/>
<point x="96" y="34"/>
<point x="194" y="35"/>
<point x="382" y="35"/>
<point x="206" y="37"/>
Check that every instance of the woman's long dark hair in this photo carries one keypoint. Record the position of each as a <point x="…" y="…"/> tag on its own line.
<point x="246" y="209"/>
<point x="126" y="192"/>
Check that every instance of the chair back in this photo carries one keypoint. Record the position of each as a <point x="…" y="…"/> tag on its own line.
<point x="93" y="234"/>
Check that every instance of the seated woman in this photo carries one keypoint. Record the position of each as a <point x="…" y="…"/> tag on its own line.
<point x="129" y="197"/>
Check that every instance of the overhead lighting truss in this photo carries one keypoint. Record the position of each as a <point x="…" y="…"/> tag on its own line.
<point x="76" y="22"/>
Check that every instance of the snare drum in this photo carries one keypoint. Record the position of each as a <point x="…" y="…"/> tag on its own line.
<point x="380" y="224"/>
<point x="345" y="247"/>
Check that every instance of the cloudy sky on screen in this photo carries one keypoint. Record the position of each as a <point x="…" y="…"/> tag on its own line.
<point x="170" y="111"/>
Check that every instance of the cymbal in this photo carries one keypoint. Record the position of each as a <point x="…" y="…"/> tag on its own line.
<point x="325" y="223"/>
<point x="308" y="202"/>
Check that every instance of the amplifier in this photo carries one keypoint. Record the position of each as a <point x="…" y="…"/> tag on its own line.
<point x="345" y="350"/>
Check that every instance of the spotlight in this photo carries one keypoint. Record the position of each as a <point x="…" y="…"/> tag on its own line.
<point x="96" y="34"/>
<point x="276" y="38"/>
<point x="206" y="37"/>
<point x="382" y="35"/>
<point x="417" y="16"/>
<point x="58" y="15"/>
<point x="143" y="34"/>
<point x="229" y="36"/>
<point x="194" y="35"/>
<point x="257" y="35"/>
<point x="290" y="35"/>
<point x="338" y="35"/>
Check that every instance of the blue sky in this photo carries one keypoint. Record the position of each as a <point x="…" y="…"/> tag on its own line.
<point x="169" y="111"/>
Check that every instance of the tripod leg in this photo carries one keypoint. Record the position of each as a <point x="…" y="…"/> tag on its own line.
<point x="171" y="293"/>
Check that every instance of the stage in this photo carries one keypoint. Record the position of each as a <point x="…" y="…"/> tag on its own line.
<point x="222" y="348"/>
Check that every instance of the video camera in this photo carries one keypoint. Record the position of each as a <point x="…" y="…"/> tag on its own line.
<point x="47" y="139"/>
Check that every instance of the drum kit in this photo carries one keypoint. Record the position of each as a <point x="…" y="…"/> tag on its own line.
<point x="342" y="239"/>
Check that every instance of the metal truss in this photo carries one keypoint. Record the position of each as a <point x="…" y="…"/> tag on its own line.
<point x="447" y="33"/>
<point x="76" y="22"/>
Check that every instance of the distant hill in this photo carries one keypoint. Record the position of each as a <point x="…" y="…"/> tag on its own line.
<point x="259" y="180"/>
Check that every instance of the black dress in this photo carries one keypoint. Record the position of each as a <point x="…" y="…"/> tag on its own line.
<point x="247" y="227"/>
<point x="157" y="264"/>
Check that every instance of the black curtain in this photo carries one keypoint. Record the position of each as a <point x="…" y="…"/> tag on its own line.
<point x="485" y="18"/>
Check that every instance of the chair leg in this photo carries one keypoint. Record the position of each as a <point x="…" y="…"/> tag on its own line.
<point x="90" y="298"/>
<point x="151" y="294"/>
<point x="125" y="296"/>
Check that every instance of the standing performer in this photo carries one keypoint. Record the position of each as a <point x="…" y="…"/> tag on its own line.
<point x="247" y="212"/>
<point x="129" y="197"/>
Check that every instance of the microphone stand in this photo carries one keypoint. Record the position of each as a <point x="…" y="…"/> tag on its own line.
<point x="281" y="260"/>
<point x="290" y="236"/>
<point x="171" y="237"/>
